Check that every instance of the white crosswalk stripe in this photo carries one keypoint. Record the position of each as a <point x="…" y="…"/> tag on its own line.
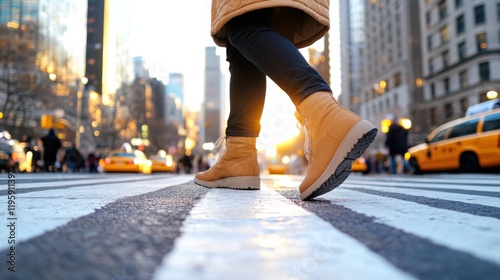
<point x="41" y="211"/>
<point x="460" y="231"/>
<point x="465" y="198"/>
<point x="271" y="238"/>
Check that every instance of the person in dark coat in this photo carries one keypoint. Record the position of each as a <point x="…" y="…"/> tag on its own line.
<point x="397" y="143"/>
<point x="92" y="162"/>
<point x="73" y="159"/>
<point x="51" y="145"/>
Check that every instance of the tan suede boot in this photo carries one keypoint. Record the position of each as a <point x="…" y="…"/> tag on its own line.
<point x="335" y="137"/>
<point x="236" y="168"/>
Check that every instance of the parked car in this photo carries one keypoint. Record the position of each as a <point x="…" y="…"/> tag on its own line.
<point x="162" y="162"/>
<point x="121" y="160"/>
<point x="468" y="144"/>
<point x="13" y="156"/>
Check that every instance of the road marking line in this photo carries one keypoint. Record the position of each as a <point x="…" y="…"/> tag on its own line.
<point x="233" y="234"/>
<point x="460" y="231"/>
<point x="45" y="210"/>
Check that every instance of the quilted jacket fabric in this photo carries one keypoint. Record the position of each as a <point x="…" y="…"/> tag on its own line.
<point x="302" y="21"/>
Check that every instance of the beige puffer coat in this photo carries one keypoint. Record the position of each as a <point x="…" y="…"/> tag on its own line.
<point x="303" y="25"/>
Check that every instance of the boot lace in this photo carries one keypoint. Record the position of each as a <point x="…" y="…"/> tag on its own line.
<point x="218" y="143"/>
<point x="303" y="124"/>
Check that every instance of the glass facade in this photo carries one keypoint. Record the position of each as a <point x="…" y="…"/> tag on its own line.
<point x="44" y="41"/>
<point x="18" y="12"/>
<point x="56" y="31"/>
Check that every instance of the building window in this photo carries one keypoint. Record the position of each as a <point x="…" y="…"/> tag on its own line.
<point x="448" y="110"/>
<point x="433" y="116"/>
<point x="498" y="12"/>
<point x="462" y="50"/>
<point x="445" y="56"/>
<point x="484" y="71"/>
<point x="460" y="24"/>
<point x="396" y="100"/>
<point x="464" y="105"/>
<point x="444" y="35"/>
<point x="442" y="9"/>
<point x="446" y="85"/>
<point x="481" y="42"/>
<point x="431" y="65"/>
<point x="459" y="3"/>
<point x="479" y="14"/>
<point x="428" y="18"/>
<point x="433" y="92"/>
<point x="397" y="79"/>
<point x="464" y="79"/>
<point x="429" y="42"/>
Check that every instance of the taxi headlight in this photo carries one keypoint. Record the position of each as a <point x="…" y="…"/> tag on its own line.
<point x="407" y="156"/>
<point x="169" y="161"/>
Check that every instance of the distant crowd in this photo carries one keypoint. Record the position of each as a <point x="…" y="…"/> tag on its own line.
<point x="49" y="155"/>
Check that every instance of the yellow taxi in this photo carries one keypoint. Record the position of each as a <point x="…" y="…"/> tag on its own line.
<point x="162" y="162"/>
<point x="277" y="168"/>
<point x="121" y="160"/>
<point x="468" y="144"/>
<point x="359" y="165"/>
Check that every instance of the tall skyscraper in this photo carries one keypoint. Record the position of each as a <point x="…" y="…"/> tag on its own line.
<point x="175" y="94"/>
<point x="381" y="58"/>
<point x="213" y="105"/>
<point x="109" y="63"/>
<point x="352" y="44"/>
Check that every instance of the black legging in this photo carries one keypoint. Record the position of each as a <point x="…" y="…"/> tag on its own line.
<point x="255" y="51"/>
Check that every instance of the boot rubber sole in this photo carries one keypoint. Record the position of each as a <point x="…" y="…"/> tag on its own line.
<point x="352" y="147"/>
<point x="237" y="183"/>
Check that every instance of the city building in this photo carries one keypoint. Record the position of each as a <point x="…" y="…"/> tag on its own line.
<point x="175" y="93"/>
<point x="381" y="59"/>
<point x="110" y="71"/>
<point x="320" y="60"/>
<point x="213" y="105"/>
<point x="44" y="43"/>
<point x="140" y="69"/>
<point x="461" y="58"/>
<point x="351" y="51"/>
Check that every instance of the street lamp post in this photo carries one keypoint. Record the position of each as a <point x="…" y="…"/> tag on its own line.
<point x="78" y="128"/>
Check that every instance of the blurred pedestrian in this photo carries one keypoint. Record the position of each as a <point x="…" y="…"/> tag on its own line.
<point x="36" y="161"/>
<point x="187" y="163"/>
<point x="262" y="40"/>
<point x="397" y="143"/>
<point x="73" y="159"/>
<point x="92" y="162"/>
<point x="51" y="145"/>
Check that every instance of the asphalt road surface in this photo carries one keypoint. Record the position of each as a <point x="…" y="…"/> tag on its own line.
<point x="163" y="226"/>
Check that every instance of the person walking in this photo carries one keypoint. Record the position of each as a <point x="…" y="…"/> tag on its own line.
<point x="397" y="143"/>
<point x="262" y="39"/>
<point x="51" y="145"/>
<point x="73" y="159"/>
